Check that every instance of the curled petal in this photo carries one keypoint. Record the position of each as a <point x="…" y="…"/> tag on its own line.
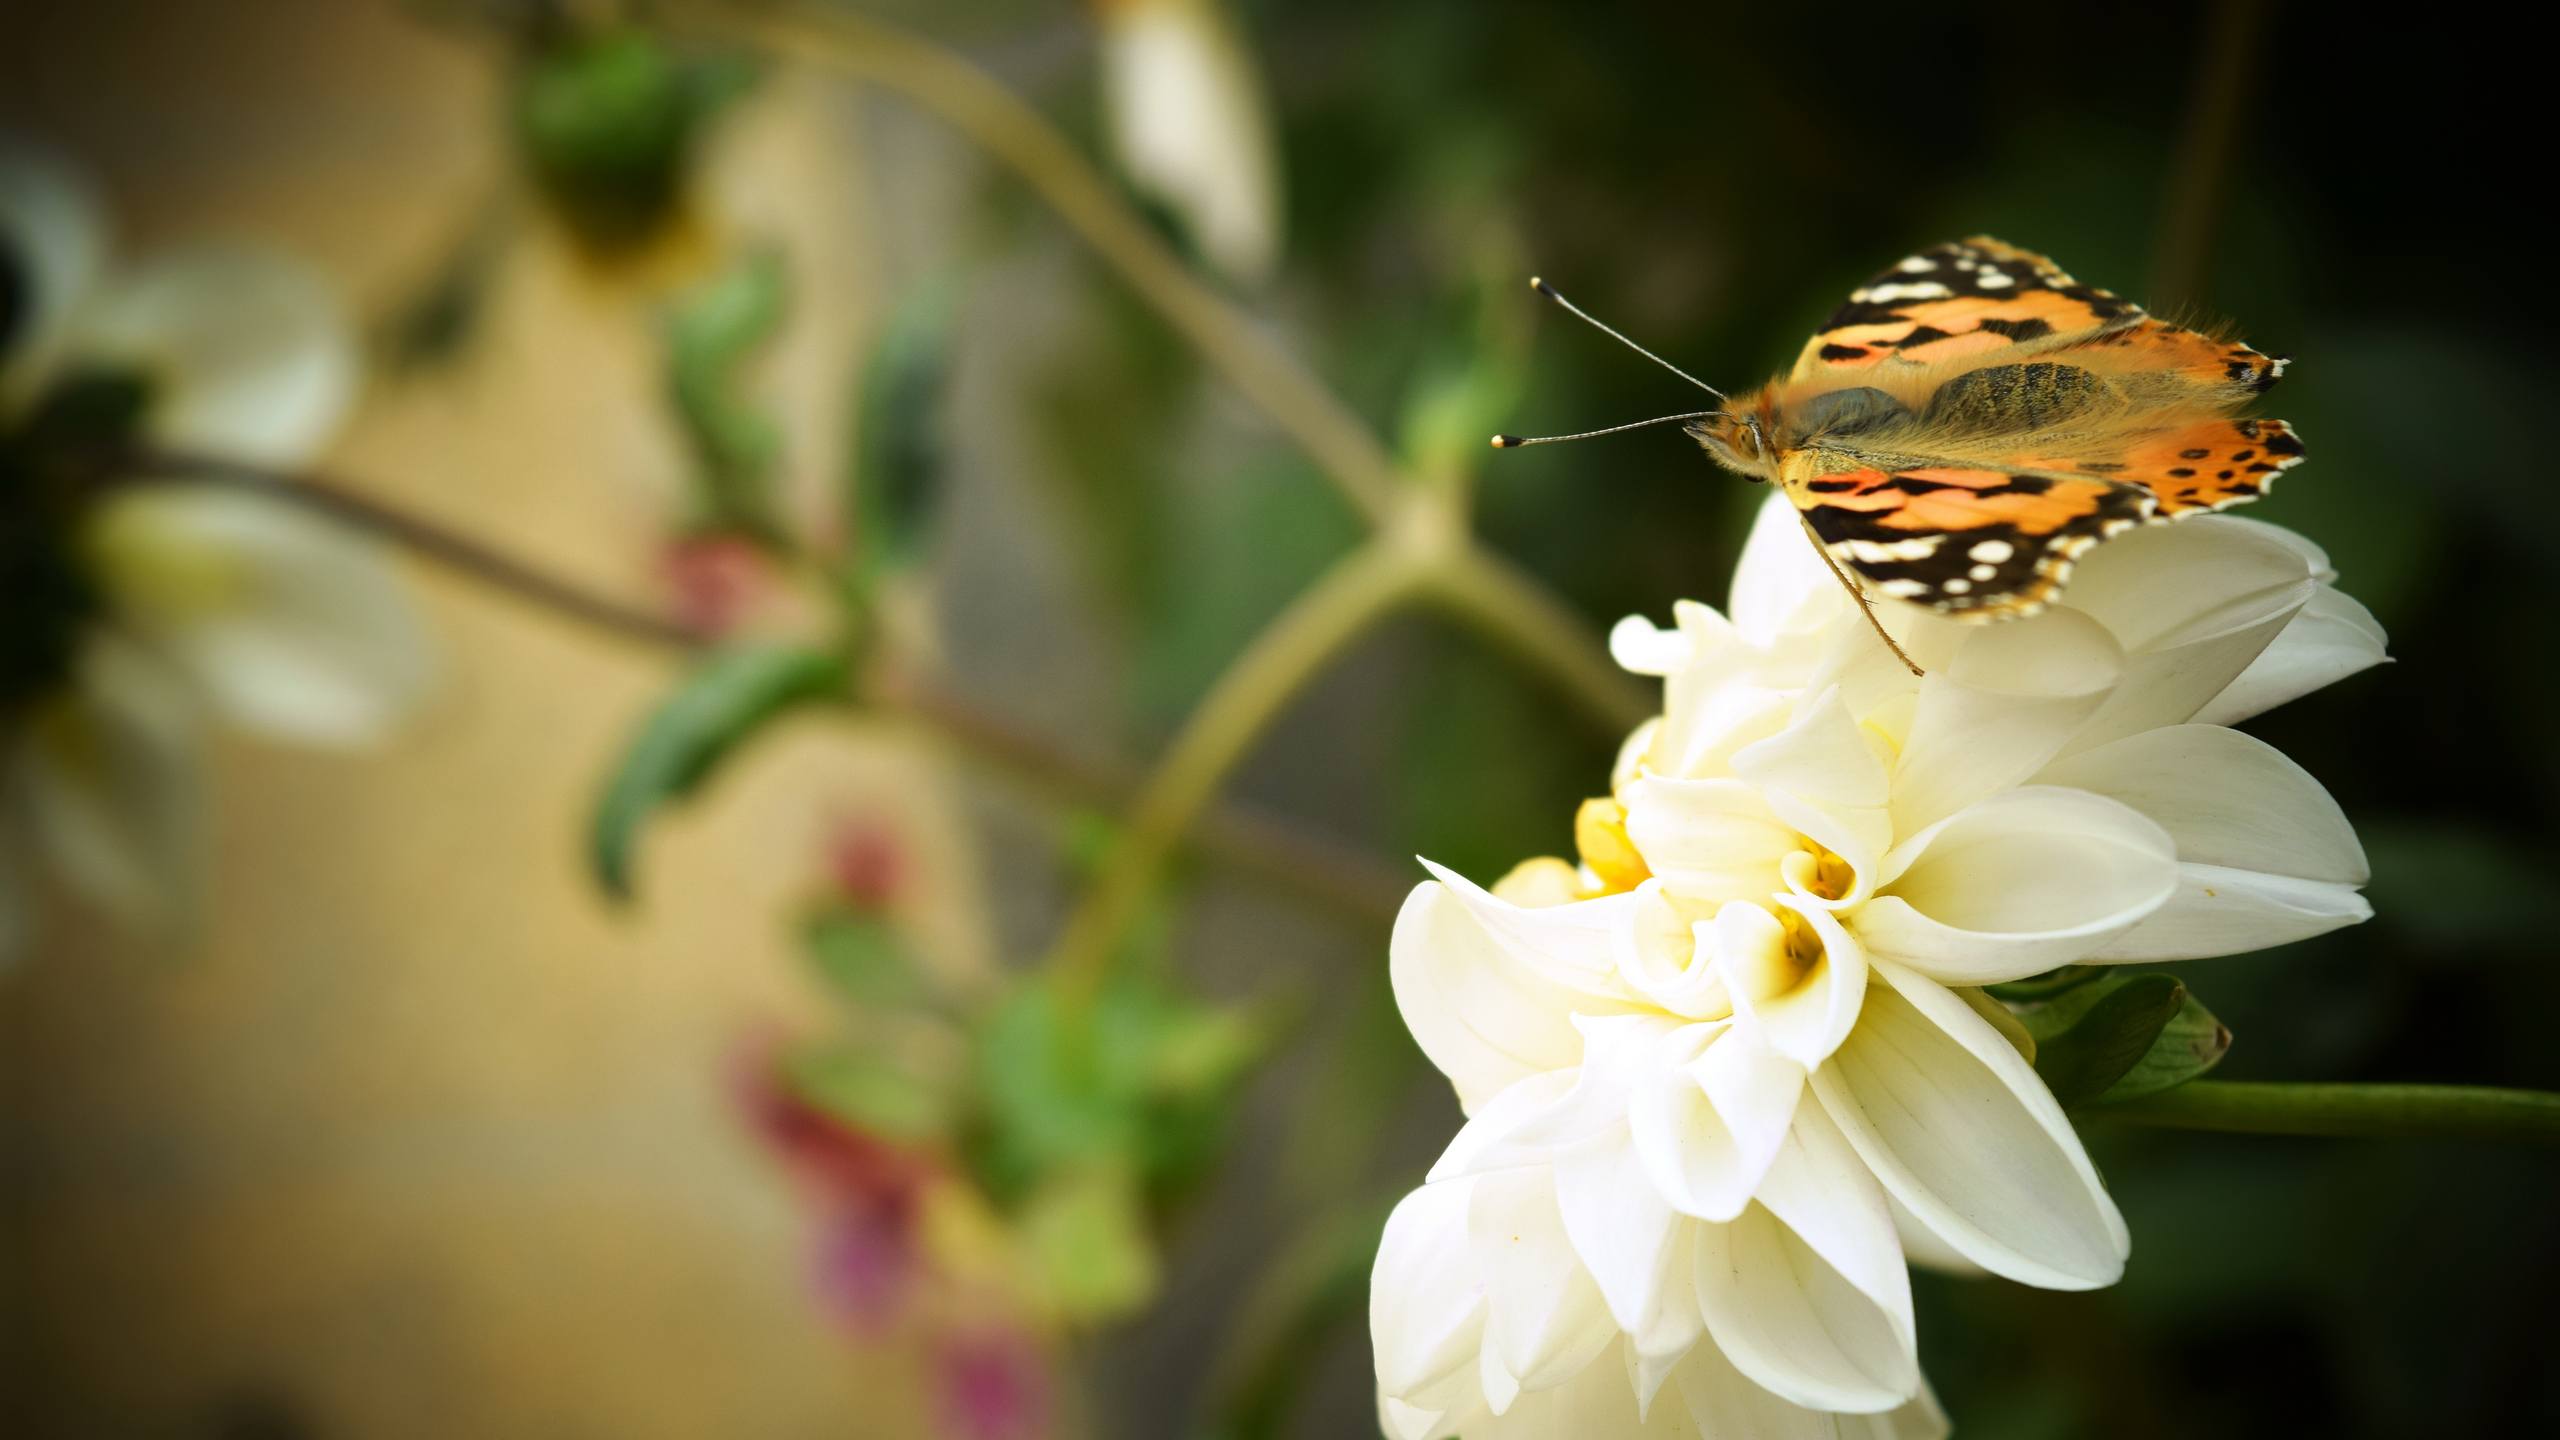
<point x="1489" y="990"/>
<point x="1824" y="1193"/>
<point x="1619" y="1224"/>
<point x="1709" y="839"/>
<point x="1822" y="776"/>
<point x="2018" y="884"/>
<point x="2193" y="604"/>
<point x="1787" y="1319"/>
<point x="1798" y="980"/>
<point x="1781" y="586"/>
<point x="2265" y="856"/>
<point x="1426" y="1303"/>
<point x="1545" y="1316"/>
<point x="1660" y="955"/>
<point x="2331" y="638"/>
<point x="1961" y="1131"/>
<point x="1721" y="1401"/>
<point x="2007" y="703"/>
<point x="1704" y="1160"/>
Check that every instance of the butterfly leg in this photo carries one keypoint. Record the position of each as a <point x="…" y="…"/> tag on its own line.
<point x="1857" y="592"/>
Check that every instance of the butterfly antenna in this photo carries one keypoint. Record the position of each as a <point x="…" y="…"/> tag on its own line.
<point x="1514" y="442"/>
<point x="1577" y="312"/>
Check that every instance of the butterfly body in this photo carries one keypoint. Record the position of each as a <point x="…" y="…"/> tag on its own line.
<point x="1972" y="420"/>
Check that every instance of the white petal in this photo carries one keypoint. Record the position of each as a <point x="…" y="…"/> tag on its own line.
<point x="53" y="232"/>
<point x="1676" y="1324"/>
<point x="252" y="356"/>
<point x="2193" y="604"/>
<point x="1488" y="1141"/>
<point x="1824" y="762"/>
<point x="296" y="628"/>
<point x="1190" y="125"/>
<point x="1619" y="1224"/>
<point x="111" y="778"/>
<point x="1721" y="1401"/>
<point x="1426" y="1304"/>
<point x="1704" y="1163"/>
<point x="1545" y="1318"/>
<point x="1780" y="585"/>
<point x="2219" y="911"/>
<point x="2018" y="884"/>
<point x="1709" y="839"/>
<point x="1483" y="999"/>
<point x="1804" y="1013"/>
<point x="1643" y="648"/>
<point x="1725" y="698"/>
<point x="2265" y="856"/>
<point x="2010" y="699"/>
<point x="1962" y="1132"/>
<point x="1825" y="1194"/>
<point x="1788" y="1320"/>
<point x="1660" y="955"/>
<point x="1925" y="1247"/>
<point x="2332" y="638"/>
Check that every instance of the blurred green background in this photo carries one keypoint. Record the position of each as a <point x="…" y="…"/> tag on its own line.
<point x="1115" y="525"/>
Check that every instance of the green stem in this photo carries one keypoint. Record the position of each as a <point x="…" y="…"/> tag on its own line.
<point x="2409" y="1112"/>
<point x="1498" y="600"/>
<point x="1341" y="606"/>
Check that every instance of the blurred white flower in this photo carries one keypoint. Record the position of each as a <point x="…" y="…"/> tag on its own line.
<point x="1190" y="125"/>
<point x="1728" y="1074"/>
<point x="145" y="610"/>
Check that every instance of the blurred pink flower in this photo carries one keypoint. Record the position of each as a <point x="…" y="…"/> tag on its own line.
<point x="712" y="580"/>
<point x="866" y="862"/>
<point x="995" y="1385"/>
<point x="870" y="1190"/>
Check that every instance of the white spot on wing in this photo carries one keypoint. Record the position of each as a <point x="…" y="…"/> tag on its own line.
<point x="1990" y="279"/>
<point x="1992" y="551"/>
<point x="1915" y="290"/>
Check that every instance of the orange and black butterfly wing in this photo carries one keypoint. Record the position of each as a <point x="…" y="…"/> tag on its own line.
<point x="1964" y="298"/>
<point x="1971" y="542"/>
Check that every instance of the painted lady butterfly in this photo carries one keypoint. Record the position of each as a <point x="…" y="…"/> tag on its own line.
<point x="1973" y="419"/>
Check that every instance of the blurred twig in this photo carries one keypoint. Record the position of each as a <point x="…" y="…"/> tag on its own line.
<point x="1260" y="845"/>
<point x="1340" y="607"/>
<point x="1421" y="552"/>
<point x="942" y="82"/>
<point x="2409" y="1112"/>
<point x="2225" y="67"/>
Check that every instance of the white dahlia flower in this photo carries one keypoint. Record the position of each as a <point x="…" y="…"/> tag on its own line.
<point x="138" y="612"/>
<point x="1726" y="1076"/>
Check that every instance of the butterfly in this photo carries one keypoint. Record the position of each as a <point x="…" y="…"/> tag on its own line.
<point x="1972" y="420"/>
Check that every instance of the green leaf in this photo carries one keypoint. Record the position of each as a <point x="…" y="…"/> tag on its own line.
<point x="2047" y="985"/>
<point x="609" y="121"/>
<point x="894" y="483"/>
<point x="863" y="958"/>
<point x="724" y="701"/>
<point x="711" y="334"/>
<point x="2093" y="1035"/>
<point x="1086" y="1230"/>
<point x="2192" y="1043"/>
<point x="871" y="1095"/>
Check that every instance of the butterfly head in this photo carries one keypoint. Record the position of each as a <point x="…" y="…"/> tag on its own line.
<point x="1739" y="441"/>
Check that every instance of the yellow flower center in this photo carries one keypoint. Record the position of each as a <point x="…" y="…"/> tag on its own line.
<point x="1832" y="878"/>
<point x="1600" y="833"/>
<point x="157" y="569"/>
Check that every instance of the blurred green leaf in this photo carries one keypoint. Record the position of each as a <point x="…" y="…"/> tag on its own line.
<point x="711" y="333"/>
<point x="863" y="958"/>
<point x="870" y="1094"/>
<point x="1144" y="1080"/>
<point x="608" y="122"/>
<point x="2093" y="1035"/>
<point x="2193" y="1042"/>
<point x="727" y="699"/>
<point x="1087" y="1231"/>
<point x="894" y="483"/>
